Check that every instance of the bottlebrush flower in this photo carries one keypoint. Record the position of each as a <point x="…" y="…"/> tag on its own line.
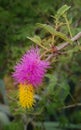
<point x="31" y="69"/>
<point x="26" y="95"/>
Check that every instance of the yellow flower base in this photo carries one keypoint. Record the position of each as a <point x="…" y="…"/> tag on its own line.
<point x="26" y="95"/>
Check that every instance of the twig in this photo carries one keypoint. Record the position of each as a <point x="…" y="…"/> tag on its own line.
<point x="70" y="106"/>
<point x="76" y="37"/>
<point x="49" y="57"/>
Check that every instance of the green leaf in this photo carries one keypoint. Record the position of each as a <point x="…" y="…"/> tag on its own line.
<point x="48" y="28"/>
<point x="35" y="39"/>
<point x="61" y="11"/>
<point x="63" y="36"/>
<point x="51" y="30"/>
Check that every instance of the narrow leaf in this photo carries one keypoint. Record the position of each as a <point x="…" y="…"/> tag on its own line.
<point x="61" y="11"/>
<point x="51" y="30"/>
<point x="35" y="39"/>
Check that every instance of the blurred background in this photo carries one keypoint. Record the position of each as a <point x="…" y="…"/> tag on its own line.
<point x="17" y="21"/>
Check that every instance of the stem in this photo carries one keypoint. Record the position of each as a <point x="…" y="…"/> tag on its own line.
<point x="43" y="47"/>
<point x="43" y="54"/>
<point x="52" y="39"/>
<point x="71" y="105"/>
<point x="68" y="25"/>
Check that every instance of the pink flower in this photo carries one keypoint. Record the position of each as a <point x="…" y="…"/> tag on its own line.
<point x="31" y="69"/>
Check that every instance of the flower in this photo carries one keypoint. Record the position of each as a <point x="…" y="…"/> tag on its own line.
<point x="31" y="69"/>
<point x="26" y="95"/>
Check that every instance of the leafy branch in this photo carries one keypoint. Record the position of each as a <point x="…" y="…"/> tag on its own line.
<point x="63" y="45"/>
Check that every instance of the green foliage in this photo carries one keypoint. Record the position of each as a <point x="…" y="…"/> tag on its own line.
<point x="53" y="97"/>
<point x="14" y="126"/>
<point x="52" y="31"/>
<point x="17" y="22"/>
<point x="58" y="87"/>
